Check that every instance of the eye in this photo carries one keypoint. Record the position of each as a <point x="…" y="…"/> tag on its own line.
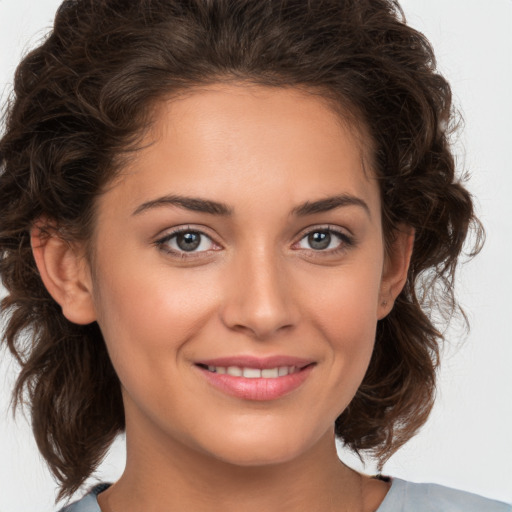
<point x="325" y="239"/>
<point x="186" y="241"/>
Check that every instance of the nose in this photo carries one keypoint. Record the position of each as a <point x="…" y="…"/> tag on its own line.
<point x="259" y="298"/>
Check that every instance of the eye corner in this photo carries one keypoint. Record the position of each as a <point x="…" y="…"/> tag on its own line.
<point x="324" y="243"/>
<point x="197" y="244"/>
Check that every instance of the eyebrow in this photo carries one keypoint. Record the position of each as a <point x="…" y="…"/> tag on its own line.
<point x="330" y="203"/>
<point x="197" y="204"/>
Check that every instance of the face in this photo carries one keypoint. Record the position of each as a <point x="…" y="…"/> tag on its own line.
<point x="239" y="272"/>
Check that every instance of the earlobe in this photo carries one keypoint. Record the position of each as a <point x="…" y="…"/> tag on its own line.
<point x="64" y="273"/>
<point x="396" y="267"/>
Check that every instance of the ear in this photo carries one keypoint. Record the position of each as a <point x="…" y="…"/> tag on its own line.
<point x="396" y="266"/>
<point x="64" y="272"/>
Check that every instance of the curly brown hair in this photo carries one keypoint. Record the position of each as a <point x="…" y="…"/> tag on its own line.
<point x="83" y="98"/>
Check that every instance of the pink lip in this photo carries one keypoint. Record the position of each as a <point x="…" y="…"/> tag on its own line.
<point x="257" y="362"/>
<point x="256" y="389"/>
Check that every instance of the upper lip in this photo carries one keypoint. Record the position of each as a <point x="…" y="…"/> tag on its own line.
<point x="262" y="363"/>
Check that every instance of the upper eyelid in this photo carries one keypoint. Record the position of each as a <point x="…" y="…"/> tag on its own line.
<point x="171" y="232"/>
<point x="347" y="240"/>
<point x="324" y="227"/>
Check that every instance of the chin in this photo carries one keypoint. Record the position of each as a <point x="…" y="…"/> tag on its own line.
<point x="253" y="448"/>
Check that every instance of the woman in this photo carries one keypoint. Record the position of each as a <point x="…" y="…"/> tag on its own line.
<point x="220" y="216"/>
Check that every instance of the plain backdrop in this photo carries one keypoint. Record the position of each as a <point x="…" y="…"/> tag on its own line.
<point x="467" y="442"/>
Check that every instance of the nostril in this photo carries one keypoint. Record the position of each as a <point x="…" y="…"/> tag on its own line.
<point x="259" y="305"/>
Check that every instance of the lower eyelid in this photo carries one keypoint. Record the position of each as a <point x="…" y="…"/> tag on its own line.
<point x="345" y="240"/>
<point x="163" y="243"/>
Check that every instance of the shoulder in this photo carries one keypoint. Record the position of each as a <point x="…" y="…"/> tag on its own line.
<point x="411" y="497"/>
<point x="403" y="496"/>
<point x="89" y="503"/>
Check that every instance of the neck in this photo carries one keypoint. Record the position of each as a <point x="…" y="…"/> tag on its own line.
<point x="181" y="478"/>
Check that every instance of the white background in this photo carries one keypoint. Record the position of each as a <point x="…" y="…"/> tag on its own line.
<point x="467" y="443"/>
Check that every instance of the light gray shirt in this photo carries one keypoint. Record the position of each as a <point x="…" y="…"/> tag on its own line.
<point x="402" y="497"/>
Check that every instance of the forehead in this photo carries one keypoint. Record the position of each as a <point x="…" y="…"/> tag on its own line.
<point x="223" y="139"/>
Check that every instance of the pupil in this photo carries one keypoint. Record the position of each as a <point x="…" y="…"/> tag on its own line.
<point x="319" y="240"/>
<point x="188" y="241"/>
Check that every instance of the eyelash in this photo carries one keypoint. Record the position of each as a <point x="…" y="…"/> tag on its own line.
<point x="162" y="243"/>
<point x="345" y="242"/>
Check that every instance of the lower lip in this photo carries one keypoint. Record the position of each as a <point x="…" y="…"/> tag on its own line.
<point x="256" y="389"/>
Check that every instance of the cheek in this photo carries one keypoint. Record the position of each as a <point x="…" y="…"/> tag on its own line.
<point x="345" y="302"/>
<point x="351" y="330"/>
<point x="345" y="311"/>
<point x="146" y="317"/>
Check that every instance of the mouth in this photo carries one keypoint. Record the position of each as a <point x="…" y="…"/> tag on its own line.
<point x="253" y="373"/>
<point x="250" y="378"/>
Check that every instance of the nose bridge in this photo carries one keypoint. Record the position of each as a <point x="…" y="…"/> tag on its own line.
<point x="259" y="299"/>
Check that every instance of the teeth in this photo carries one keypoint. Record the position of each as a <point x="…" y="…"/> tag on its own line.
<point x="221" y="369"/>
<point x="283" y="370"/>
<point x="255" y="373"/>
<point x="270" y="373"/>
<point x="251" y="373"/>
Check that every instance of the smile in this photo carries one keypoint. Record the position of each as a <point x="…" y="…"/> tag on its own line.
<point x="255" y="373"/>
<point x="249" y="378"/>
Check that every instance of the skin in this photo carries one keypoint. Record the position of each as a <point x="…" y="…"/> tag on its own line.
<point x="255" y="286"/>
